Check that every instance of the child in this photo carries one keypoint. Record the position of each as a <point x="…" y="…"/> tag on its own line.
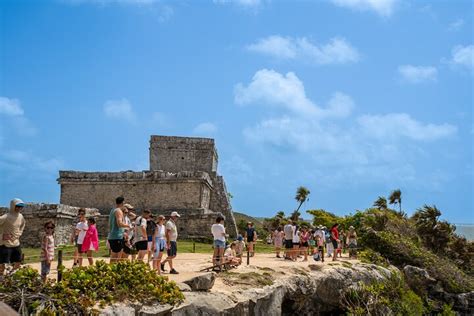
<point x="47" y="250"/>
<point x="91" y="240"/>
<point x="230" y="255"/>
<point x="239" y="246"/>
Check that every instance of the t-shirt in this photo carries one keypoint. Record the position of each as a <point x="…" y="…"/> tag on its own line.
<point x="288" y="229"/>
<point x="218" y="231"/>
<point x="229" y="252"/>
<point x="82" y="227"/>
<point x="334" y="232"/>
<point x="296" y="237"/>
<point x="139" y="223"/>
<point x="171" y="226"/>
<point x="47" y="248"/>
<point x="161" y="231"/>
<point x="250" y="233"/>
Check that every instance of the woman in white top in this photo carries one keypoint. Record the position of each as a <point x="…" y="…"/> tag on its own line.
<point x="296" y="242"/>
<point x="159" y="242"/>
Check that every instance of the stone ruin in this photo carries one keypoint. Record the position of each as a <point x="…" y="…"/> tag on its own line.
<point x="182" y="177"/>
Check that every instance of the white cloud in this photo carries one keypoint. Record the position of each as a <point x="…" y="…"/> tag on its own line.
<point x="17" y="160"/>
<point x="237" y="170"/>
<point x="337" y="51"/>
<point x="205" y="128"/>
<point x="397" y="125"/>
<point x="381" y="7"/>
<point x="417" y="74"/>
<point x="111" y="2"/>
<point x="456" y="25"/>
<point x="165" y="13"/>
<point x="10" y="107"/>
<point x="271" y="88"/>
<point x="242" y="3"/>
<point x="463" y="56"/>
<point x="119" y="109"/>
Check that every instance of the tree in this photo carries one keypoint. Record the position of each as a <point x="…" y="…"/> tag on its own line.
<point x="396" y="198"/>
<point x="301" y="196"/>
<point x="381" y="203"/>
<point x="434" y="233"/>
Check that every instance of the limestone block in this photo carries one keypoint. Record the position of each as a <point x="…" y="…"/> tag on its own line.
<point x="203" y="282"/>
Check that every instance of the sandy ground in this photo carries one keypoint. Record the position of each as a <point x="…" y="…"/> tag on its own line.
<point x="190" y="264"/>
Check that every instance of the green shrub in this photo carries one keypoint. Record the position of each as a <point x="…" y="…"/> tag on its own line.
<point x="82" y="288"/>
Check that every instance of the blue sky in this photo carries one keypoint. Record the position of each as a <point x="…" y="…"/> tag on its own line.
<point x="350" y="98"/>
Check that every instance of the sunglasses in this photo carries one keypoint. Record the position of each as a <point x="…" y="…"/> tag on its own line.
<point x="49" y="227"/>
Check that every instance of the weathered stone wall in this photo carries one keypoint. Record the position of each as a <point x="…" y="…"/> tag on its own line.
<point x="63" y="216"/>
<point x="220" y="203"/>
<point x="177" y="154"/>
<point x="148" y="189"/>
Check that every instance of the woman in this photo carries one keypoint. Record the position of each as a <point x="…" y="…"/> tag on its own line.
<point x="352" y="242"/>
<point x="278" y="236"/>
<point x="91" y="240"/>
<point x="334" y="240"/>
<point x="159" y="243"/>
<point x="296" y="243"/>
<point x="304" y="238"/>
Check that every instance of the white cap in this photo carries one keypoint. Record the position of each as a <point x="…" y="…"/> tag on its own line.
<point x="175" y="214"/>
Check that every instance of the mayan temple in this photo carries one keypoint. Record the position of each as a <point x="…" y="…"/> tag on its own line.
<point x="182" y="177"/>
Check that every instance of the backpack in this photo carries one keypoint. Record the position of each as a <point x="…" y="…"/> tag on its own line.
<point x="150" y="227"/>
<point x="327" y="236"/>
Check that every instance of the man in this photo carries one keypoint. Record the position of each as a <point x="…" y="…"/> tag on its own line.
<point x="288" y="230"/>
<point x="141" y="240"/>
<point x="251" y="236"/>
<point x="81" y="229"/>
<point x="117" y="227"/>
<point x="171" y="237"/>
<point x="129" y="219"/>
<point x="218" y="232"/>
<point x="12" y="225"/>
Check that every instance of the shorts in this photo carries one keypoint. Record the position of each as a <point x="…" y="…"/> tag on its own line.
<point x="250" y="239"/>
<point x="173" y="249"/>
<point x="141" y="245"/>
<point x="79" y="248"/>
<point x="150" y="238"/>
<point x="10" y="254"/>
<point x="304" y="244"/>
<point x="219" y="244"/>
<point x="116" y="245"/>
<point x="45" y="268"/>
<point x="334" y="243"/>
<point x="288" y="243"/>
<point x="160" y="246"/>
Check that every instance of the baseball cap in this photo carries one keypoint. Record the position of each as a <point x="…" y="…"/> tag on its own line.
<point x="175" y="214"/>
<point x="19" y="203"/>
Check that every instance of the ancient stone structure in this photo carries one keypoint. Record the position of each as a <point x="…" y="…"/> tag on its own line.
<point x="182" y="177"/>
<point x="63" y="216"/>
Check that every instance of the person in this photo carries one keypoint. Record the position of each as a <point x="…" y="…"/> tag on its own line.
<point x="320" y="240"/>
<point x="81" y="229"/>
<point x="304" y="242"/>
<point x="288" y="230"/>
<point x="278" y="236"/>
<point x="296" y="242"/>
<point x="12" y="225"/>
<point x="239" y="246"/>
<point x="352" y="242"/>
<point x="150" y="231"/>
<point x="269" y="239"/>
<point x="117" y="228"/>
<point x="329" y="246"/>
<point x="171" y="245"/>
<point x="47" y="250"/>
<point x="218" y="232"/>
<point x="141" y="237"/>
<point x="334" y="239"/>
<point x="312" y="242"/>
<point x="230" y="255"/>
<point x="342" y="237"/>
<point x="251" y="237"/>
<point x="159" y="243"/>
<point x="91" y="240"/>
<point x="128" y="236"/>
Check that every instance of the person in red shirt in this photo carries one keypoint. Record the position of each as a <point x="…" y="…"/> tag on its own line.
<point x="334" y="239"/>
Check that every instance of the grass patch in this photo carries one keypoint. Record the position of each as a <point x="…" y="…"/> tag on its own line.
<point x="250" y="279"/>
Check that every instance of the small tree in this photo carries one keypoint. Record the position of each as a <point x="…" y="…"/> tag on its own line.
<point x="381" y="203"/>
<point x="396" y="198"/>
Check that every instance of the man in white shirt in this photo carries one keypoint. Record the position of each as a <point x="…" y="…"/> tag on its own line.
<point x="171" y="237"/>
<point x="140" y="235"/>
<point x="81" y="229"/>
<point x="288" y="230"/>
<point x="218" y="231"/>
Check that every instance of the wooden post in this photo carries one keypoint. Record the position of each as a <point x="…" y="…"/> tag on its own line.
<point x="248" y="257"/>
<point x="60" y="263"/>
<point x="194" y="246"/>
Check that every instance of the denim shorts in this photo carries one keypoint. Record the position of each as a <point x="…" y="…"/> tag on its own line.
<point x="219" y="243"/>
<point x="45" y="268"/>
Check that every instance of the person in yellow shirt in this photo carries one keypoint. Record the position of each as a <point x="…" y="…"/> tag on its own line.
<point x="12" y="225"/>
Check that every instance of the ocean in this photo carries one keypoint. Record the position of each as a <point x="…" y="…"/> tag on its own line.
<point x="466" y="230"/>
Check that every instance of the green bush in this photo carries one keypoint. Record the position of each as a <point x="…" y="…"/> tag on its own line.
<point x="82" y="288"/>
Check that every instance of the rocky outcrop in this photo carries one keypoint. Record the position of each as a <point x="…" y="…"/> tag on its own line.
<point x="305" y="293"/>
<point x="203" y="282"/>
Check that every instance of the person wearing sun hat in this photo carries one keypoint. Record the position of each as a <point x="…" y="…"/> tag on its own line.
<point x="12" y="225"/>
<point x="171" y="237"/>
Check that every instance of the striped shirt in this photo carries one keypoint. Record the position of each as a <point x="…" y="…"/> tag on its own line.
<point x="47" y="248"/>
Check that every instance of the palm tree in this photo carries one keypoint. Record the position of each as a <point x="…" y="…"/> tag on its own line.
<point x="280" y="214"/>
<point x="301" y="196"/>
<point x="381" y="203"/>
<point x="295" y="216"/>
<point x="396" y="198"/>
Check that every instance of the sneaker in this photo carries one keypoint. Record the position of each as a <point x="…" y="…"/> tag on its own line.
<point x="163" y="267"/>
<point x="173" y="271"/>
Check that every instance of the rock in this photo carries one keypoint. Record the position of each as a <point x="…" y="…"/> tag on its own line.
<point x="203" y="282"/>
<point x="118" y="309"/>
<point x="155" y="310"/>
<point x="183" y="287"/>
<point x="417" y="277"/>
